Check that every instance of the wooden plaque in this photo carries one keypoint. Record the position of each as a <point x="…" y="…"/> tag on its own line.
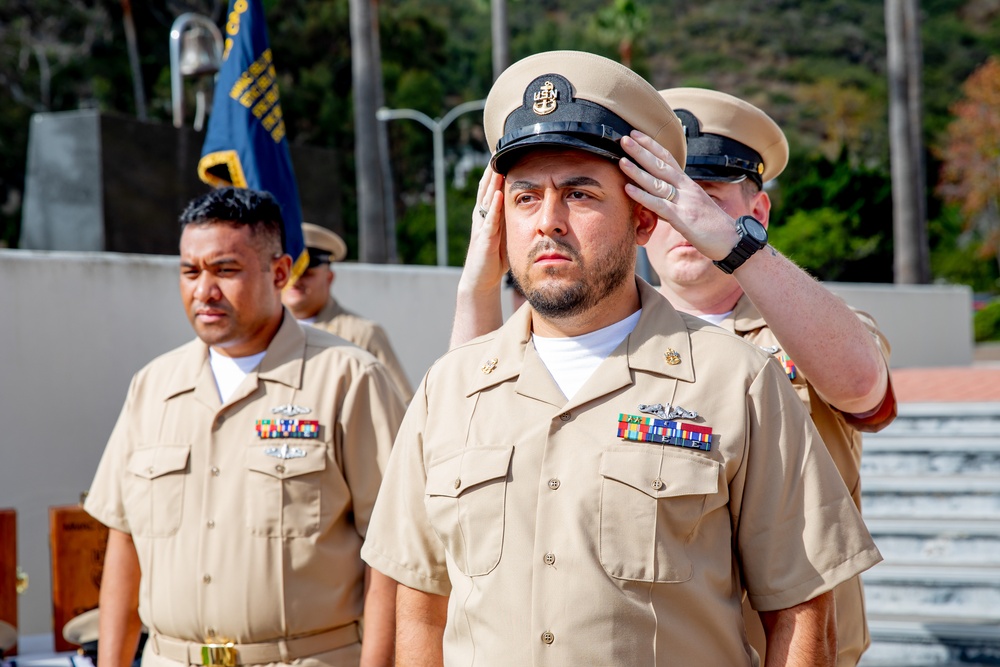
<point x="8" y="570"/>
<point x="77" y="542"/>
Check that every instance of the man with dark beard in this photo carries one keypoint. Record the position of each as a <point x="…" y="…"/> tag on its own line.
<point x="597" y="482"/>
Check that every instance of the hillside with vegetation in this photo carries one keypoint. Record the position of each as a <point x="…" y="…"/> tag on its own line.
<point x="818" y="66"/>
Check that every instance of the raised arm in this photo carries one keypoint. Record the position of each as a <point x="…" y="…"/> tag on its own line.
<point x="824" y="337"/>
<point x="477" y="307"/>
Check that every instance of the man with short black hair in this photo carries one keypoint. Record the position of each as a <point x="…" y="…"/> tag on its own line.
<point x="240" y="477"/>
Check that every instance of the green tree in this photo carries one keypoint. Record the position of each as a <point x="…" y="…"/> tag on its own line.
<point x="834" y="218"/>
<point x="622" y="23"/>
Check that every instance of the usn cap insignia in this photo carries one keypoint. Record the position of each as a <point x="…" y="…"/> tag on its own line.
<point x="546" y="99"/>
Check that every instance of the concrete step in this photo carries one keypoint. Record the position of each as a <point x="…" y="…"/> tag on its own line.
<point x="931" y="455"/>
<point x="930" y="496"/>
<point x="947" y="419"/>
<point x="909" y="641"/>
<point x="934" y="592"/>
<point x="937" y="542"/>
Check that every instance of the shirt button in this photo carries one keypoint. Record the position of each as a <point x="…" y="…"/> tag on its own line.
<point x="565" y="416"/>
<point x="149" y="470"/>
<point x="553" y="483"/>
<point x="458" y="483"/>
<point x="215" y="471"/>
<point x="210" y="634"/>
<point x="279" y="468"/>
<point x="548" y="637"/>
<point x="207" y="578"/>
<point x="210" y="524"/>
<point x="657" y="484"/>
<point x="550" y="559"/>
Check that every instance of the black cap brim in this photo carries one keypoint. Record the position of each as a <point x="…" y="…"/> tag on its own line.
<point x="506" y="157"/>
<point x="716" y="174"/>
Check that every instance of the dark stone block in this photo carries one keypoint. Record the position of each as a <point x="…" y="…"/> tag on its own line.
<point x="102" y="182"/>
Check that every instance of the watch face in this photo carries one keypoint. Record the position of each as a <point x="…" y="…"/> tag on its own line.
<point x="754" y="229"/>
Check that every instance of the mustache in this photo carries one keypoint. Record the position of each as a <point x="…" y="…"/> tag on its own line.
<point x="549" y="245"/>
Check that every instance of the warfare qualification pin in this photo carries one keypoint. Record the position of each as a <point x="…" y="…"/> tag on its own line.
<point x="285" y="452"/>
<point x="290" y="410"/>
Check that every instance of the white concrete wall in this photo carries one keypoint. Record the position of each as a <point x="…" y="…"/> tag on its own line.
<point x="927" y="325"/>
<point x="74" y="327"/>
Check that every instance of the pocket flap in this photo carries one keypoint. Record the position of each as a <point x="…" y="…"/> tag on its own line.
<point x="453" y="474"/>
<point x="662" y="474"/>
<point x="152" y="462"/>
<point x="284" y="461"/>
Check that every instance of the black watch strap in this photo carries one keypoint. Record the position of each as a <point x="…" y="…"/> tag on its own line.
<point x="745" y="247"/>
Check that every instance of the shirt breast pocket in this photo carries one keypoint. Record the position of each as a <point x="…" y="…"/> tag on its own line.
<point x="284" y="491"/>
<point x="465" y="496"/>
<point x="651" y="503"/>
<point x="153" y="491"/>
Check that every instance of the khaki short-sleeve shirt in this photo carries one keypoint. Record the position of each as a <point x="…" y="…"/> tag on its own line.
<point x="239" y="537"/>
<point x="367" y="335"/>
<point x="841" y="433"/>
<point x="560" y="543"/>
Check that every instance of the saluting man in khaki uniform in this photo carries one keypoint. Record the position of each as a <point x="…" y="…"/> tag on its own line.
<point x="598" y="481"/>
<point x="239" y="480"/>
<point x="310" y="301"/>
<point x="836" y="359"/>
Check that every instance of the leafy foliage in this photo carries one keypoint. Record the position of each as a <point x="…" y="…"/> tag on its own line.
<point x="836" y="219"/>
<point x="970" y="174"/>
<point x="986" y="322"/>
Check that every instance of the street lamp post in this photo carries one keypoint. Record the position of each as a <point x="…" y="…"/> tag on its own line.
<point x="437" y="128"/>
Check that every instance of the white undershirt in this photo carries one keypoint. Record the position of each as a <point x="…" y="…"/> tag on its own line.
<point x="230" y="371"/>
<point x="716" y="318"/>
<point x="572" y="360"/>
<point x="308" y="320"/>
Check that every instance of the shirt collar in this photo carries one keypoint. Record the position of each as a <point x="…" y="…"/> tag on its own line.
<point x="745" y="316"/>
<point x="660" y="337"/>
<point x="283" y="362"/>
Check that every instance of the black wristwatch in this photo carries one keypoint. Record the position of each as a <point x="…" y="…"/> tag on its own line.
<point x="753" y="237"/>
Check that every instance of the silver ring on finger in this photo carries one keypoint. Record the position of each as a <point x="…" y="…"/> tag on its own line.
<point x="673" y="192"/>
<point x="482" y="211"/>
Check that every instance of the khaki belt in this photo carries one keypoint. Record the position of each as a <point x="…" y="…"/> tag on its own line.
<point x="229" y="654"/>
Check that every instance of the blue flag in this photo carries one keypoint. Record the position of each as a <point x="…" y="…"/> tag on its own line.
<point x="245" y="145"/>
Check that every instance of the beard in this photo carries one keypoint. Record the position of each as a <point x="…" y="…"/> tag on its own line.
<point x="554" y="300"/>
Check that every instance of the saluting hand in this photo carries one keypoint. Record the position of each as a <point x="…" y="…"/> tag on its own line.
<point x="486" y="262"/>
<point x="664" y="188"/>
